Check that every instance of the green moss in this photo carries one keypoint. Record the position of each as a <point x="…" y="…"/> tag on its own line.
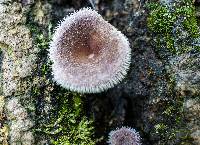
<point x="159" y="128"/>
<point x="42" y="42"/>
<point x="160" y="19"/>
<point x="68" y="124"/>
<point x="163" y="19"/>
<point x="74" y="126"/>
<point x="190" y="22"/>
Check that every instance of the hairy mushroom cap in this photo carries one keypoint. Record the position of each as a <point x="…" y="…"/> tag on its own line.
<point x="89" y="55"/>
<point x="124" y="136"/>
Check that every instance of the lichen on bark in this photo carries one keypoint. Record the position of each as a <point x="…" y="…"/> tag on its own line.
<point x="18" y="57"/>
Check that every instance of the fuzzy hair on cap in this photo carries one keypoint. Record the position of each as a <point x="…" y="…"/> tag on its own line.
<point x="124" y="136"/>
<point x="89" y="55"/>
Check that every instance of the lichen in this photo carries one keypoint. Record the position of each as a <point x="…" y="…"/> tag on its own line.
<point x="4" y="134"/>
<point x="18" y="58"/>
<point x="192" y="109"/>
<point x="3" y="126"/>
<point x="20" y="122"/>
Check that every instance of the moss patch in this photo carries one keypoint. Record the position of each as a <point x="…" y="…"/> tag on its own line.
<point x="175" y="25"/>
<point x="68" y="124"/>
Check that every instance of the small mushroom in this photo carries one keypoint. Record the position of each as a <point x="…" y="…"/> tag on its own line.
<point x="124" y="136"/>
<point x="89" y="55"/>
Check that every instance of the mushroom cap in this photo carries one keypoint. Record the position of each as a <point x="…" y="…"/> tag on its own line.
<point x="124" y="136"/>
<point x="89" y="55"/>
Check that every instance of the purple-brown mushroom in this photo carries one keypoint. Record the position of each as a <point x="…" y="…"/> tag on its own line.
<point x="89" y="55"/>
<point x="124" y="136"/>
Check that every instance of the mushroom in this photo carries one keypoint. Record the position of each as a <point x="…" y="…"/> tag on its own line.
<point x="124" y="136"/>
<point x="89" y="55"/>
